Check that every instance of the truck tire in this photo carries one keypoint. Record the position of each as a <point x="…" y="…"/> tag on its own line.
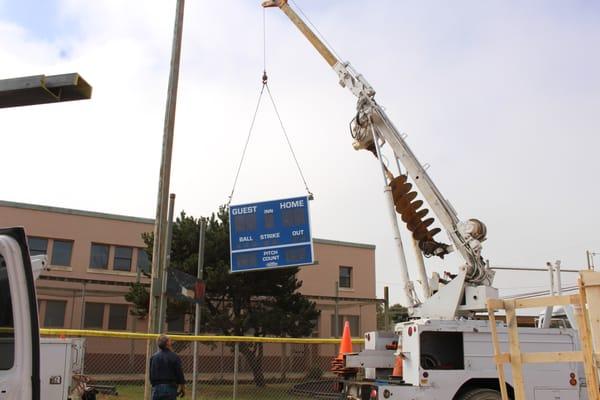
<point x="481" y="394"/>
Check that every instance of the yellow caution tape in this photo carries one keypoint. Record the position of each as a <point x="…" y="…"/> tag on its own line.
<point x="189" y="338"/>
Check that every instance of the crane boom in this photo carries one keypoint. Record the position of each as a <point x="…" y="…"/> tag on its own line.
<point x="372" y="124"/>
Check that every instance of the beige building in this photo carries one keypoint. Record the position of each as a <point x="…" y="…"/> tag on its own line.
<point x="94" y="257"/>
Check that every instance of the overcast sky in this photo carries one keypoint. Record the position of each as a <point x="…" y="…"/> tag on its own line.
<point x="501" y="98"/>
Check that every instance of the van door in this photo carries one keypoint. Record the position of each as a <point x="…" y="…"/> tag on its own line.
<point x="19" y="331"/>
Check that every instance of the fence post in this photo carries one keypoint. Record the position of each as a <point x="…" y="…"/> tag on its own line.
<point x="236" y="356"/>
<point x="386" y="309"/>
<point x="198" y="310"/>
<point x="222" y="362"/>
<point x="283" y="359"/>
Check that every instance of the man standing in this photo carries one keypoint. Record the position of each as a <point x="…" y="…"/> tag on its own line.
<point x="165" y="372"/>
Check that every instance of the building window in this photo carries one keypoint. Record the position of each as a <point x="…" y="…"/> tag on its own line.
<point x="143" y="261"/>
<point x="61" y="252"/>
<point x="122" y="261"/>
<point x="354" y="321"/>
<point x="55" y="314"/>
<point x="99" y="256"/>
<point x="316" y="323"/>
<point x="37" y="246"/>
<point x="117" y="317"/>
<point x="94" y="316"/>
<point x="345" y="277"/>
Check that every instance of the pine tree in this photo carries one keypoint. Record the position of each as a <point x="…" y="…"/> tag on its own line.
<point x="263" y="303"/>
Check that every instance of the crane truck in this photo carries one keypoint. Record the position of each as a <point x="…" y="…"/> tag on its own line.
<point x="442" y="351"/>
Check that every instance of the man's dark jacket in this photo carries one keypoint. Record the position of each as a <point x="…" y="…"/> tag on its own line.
<point x="165" y="367"/>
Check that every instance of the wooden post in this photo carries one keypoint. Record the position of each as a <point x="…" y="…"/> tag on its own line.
<point x="586" y="306"/>
<point x="590" y="288"/>
<point x="497" y="350"/>
<point x="589" y="364"/>
<point x="515" y="350"/>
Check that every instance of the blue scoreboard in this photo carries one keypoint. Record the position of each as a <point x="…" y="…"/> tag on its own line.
<point x="270" y="234"/>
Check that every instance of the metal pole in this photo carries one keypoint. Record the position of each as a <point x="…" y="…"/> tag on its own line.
<point x="134" y="327"/>
<point x="590" y="259"/>
<point x="532" y="269"/>
<point x="198" y="309"/>
<point x="568" y="308"/>
<point x="163" y="185"/>
<point x="162" y="311"/>
<point x="82" y="306"/>
<point x="386" y="308"/>
<point x="236" y="356"/>
<point x="558" y="279"/>
<point x="283" y="361"/>
<point x="418" y="254"/>
<point x="408" y="299"/>
<point x="336" y="317"/>
<point x="421" y="269"/>
<point x="549" y="309"/>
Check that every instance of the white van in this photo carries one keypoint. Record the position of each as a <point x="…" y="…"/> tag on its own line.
<point x="19" y="330"/>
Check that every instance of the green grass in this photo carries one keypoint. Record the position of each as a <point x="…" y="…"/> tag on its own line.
<point x="210" y="392"/>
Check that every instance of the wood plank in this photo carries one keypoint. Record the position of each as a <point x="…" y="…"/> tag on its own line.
<point x="502" y="358"/>
<point x="553" y="357"/>
<point x="496" y="345"/>
<point x="547" y="301"/>
<point x="591" y="285"/>
<point x="515" y="350"/>
<point x="591" y="376"/>
<point x="495" y="304"/>
<point x="590" y="278"/>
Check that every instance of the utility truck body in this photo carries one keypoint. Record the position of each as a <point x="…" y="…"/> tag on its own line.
<point x="445" y="360"/>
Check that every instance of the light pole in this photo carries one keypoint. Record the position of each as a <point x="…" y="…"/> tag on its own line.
<point x="160" y="222"/>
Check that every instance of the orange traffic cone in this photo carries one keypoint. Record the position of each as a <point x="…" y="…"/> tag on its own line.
<point x="346" y="344"/>
<point x="337" y="364"/>
<point x="397" y="372"/>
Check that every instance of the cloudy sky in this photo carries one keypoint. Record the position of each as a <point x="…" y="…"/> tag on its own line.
<point x="501" y="98"/>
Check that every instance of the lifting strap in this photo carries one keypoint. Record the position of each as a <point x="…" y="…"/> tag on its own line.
<point x="265" y="85"/>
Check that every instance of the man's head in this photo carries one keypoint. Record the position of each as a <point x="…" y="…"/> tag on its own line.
<point x="164" y="342"/>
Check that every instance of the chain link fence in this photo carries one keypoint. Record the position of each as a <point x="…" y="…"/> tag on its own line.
<point x="227" y="368"/>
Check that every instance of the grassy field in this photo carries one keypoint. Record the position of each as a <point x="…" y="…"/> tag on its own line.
<point x="218" y="392"/>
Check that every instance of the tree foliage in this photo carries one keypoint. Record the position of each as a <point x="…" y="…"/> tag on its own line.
<point x="397" y="313"/>
<point x="262" y="303"/>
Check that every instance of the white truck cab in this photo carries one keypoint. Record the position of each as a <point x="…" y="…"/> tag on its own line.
<point x="19" y="330"/>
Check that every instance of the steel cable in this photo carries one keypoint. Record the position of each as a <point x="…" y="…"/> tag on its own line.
<point x="246" y="144"/>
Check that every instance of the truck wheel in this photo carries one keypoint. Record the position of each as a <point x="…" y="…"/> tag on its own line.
<point x="481" y="394"/>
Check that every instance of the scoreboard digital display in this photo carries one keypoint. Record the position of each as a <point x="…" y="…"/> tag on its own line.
<point x="270" y="234"/>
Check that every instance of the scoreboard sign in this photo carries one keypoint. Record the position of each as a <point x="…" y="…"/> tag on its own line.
<point x="270" y="234"/>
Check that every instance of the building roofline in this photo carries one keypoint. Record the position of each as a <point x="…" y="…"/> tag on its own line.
<point x="347" y="244"/>
<point x="126" y="218"/>
<point x="69" y="211"/>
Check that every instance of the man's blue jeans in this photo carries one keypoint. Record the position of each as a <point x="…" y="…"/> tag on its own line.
<point x="164" y="392"/>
